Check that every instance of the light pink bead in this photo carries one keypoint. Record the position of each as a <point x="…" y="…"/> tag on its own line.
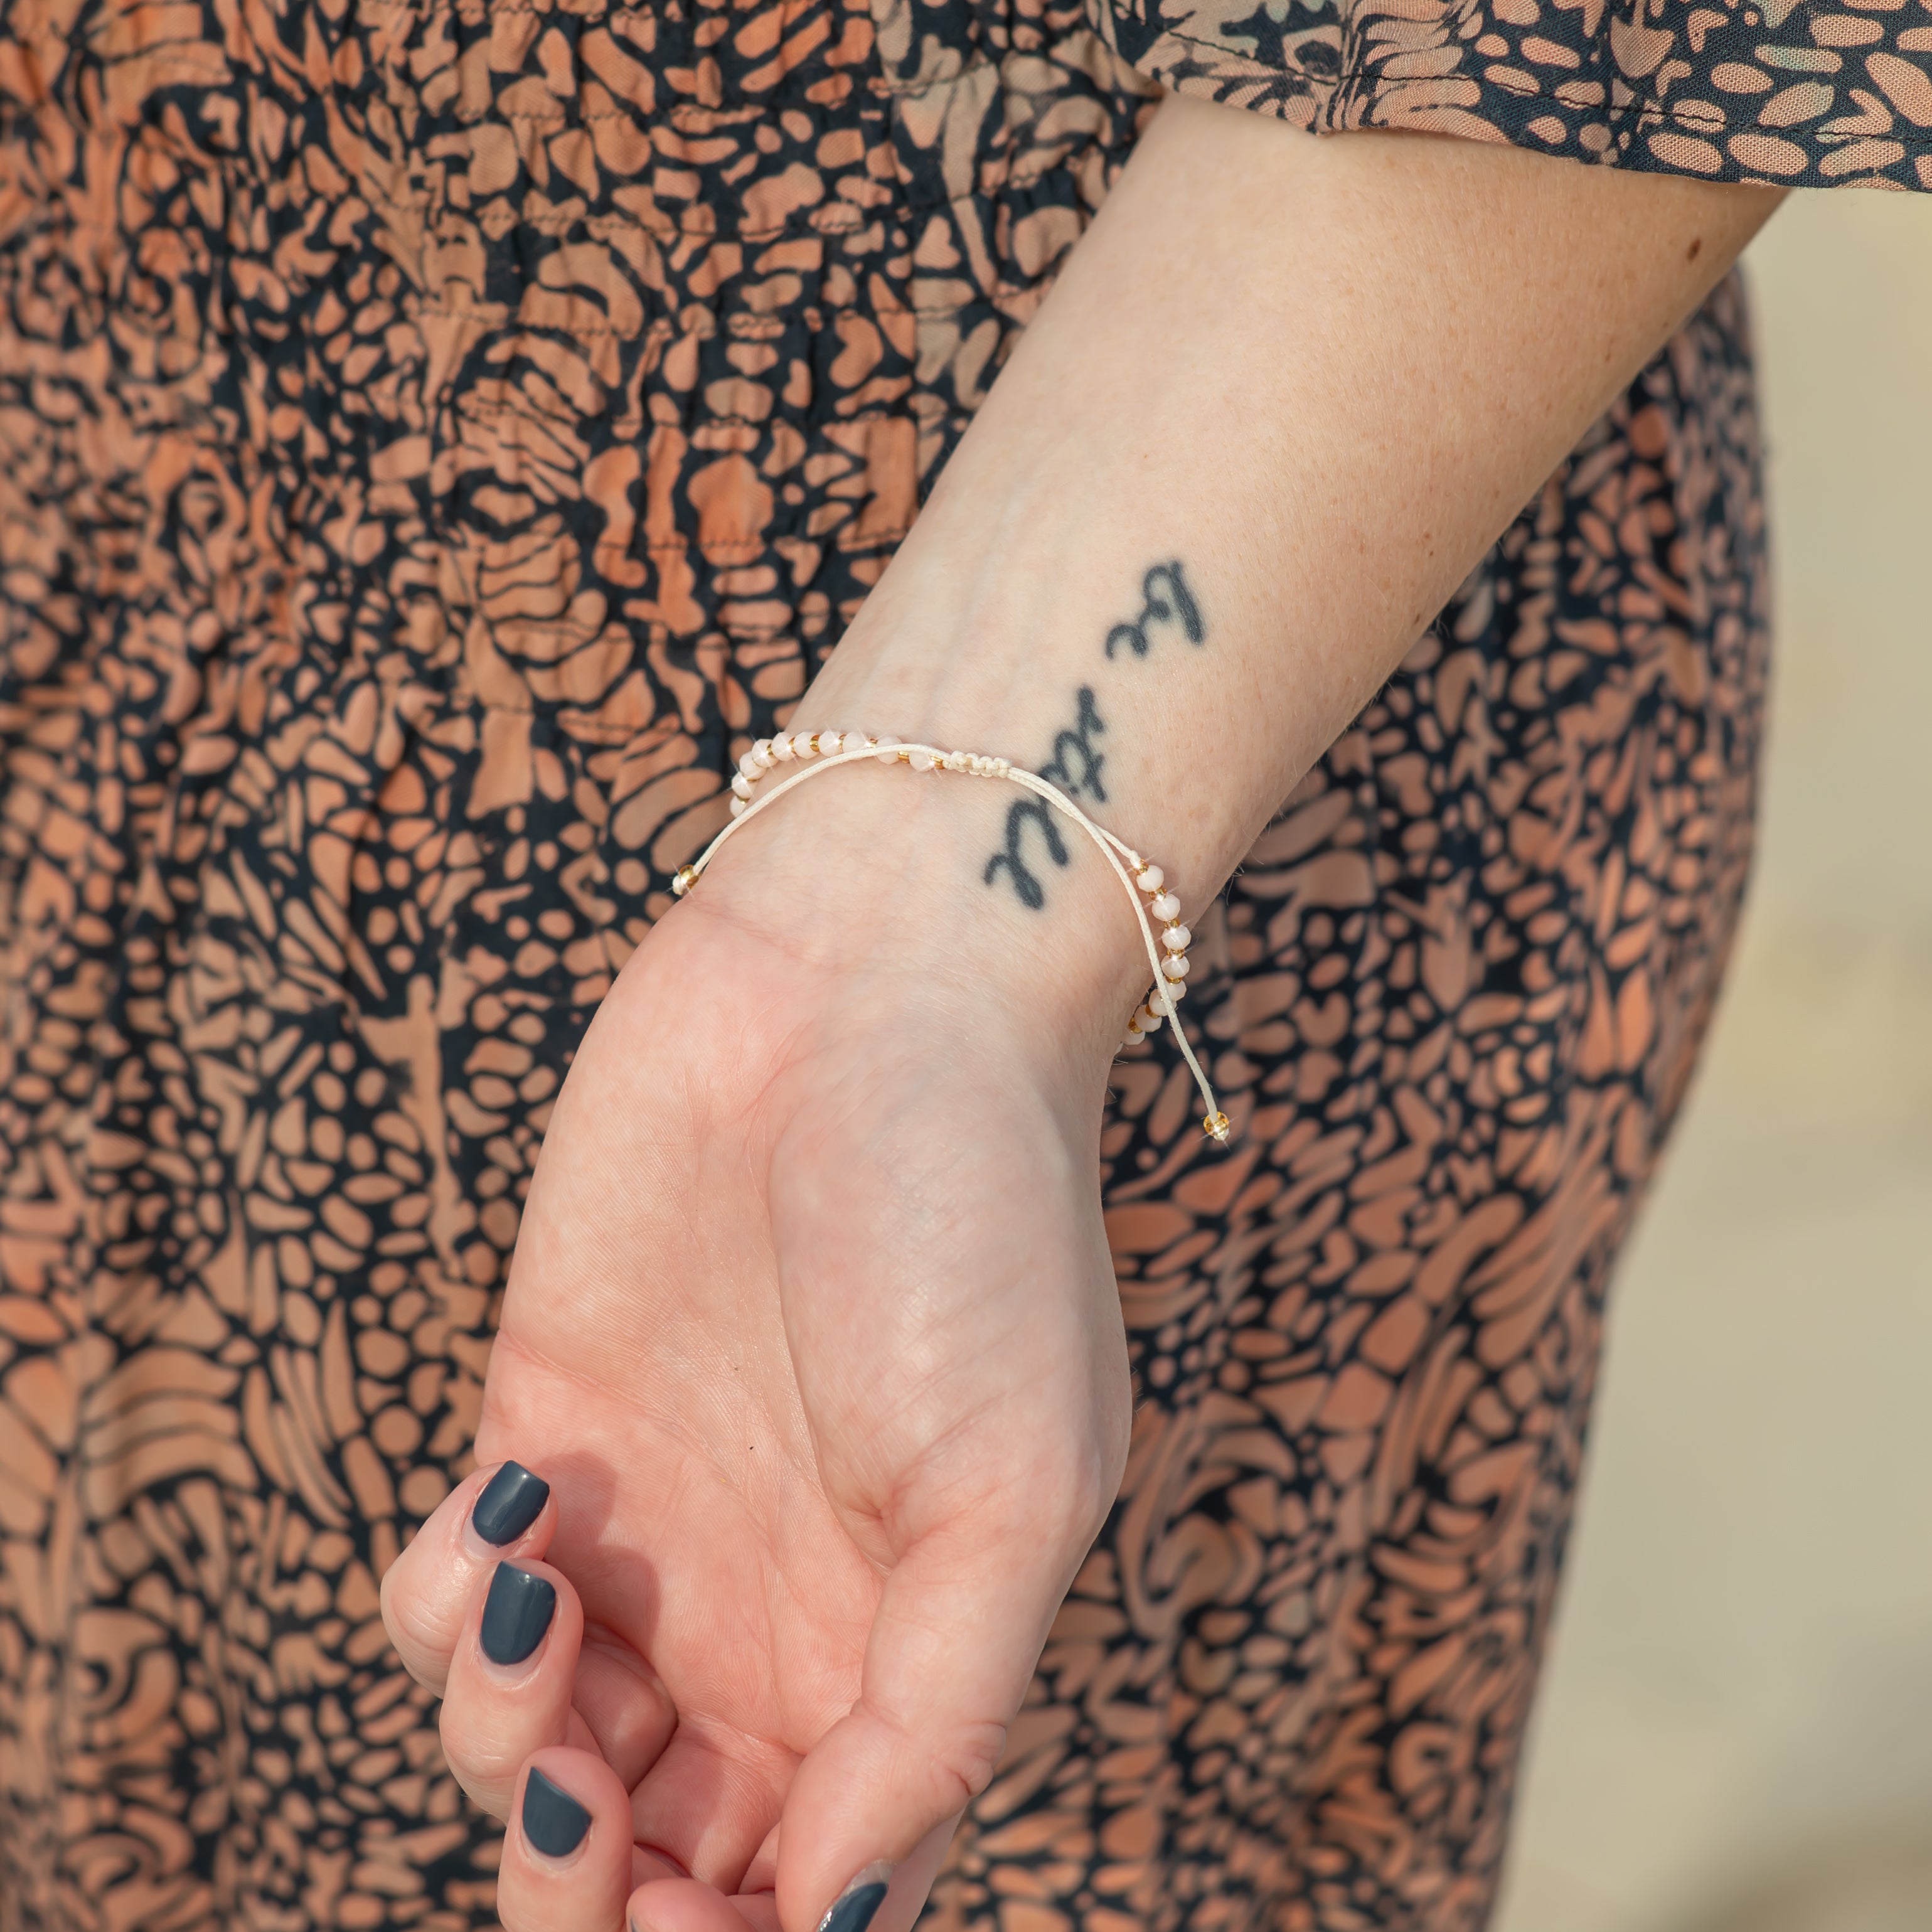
<point x="1175" y="938"/>
<point x="1150" y="1020"/>
<point x="1166" y="907"/>
<point x="1175" y="989"/>
<point x="831" y="743"/>
<point x="739" y="807"/>
<point x="781" y="747"/>
<point x="922" y="761"/>
<point x="1151" y="881"/>
<point x="741" y="785"/>
<point x="887" y="747"/>
<point x="748" y="765"/>
<point x="1175" y="966"/>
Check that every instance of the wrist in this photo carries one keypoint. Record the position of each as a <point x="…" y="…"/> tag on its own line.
<point x="874" y="884"/>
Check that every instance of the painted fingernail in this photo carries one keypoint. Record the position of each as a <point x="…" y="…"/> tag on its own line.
<point x="853" y="1909"/>
<point x="553" y="1821"/>
<point x="512" y="1499"/>
<point x="516" y="1613"/>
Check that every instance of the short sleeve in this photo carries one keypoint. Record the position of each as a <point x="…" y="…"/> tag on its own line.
<point x="1806" y="96"/>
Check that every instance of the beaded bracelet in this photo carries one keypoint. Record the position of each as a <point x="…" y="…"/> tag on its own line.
<point x="816" y="751"/>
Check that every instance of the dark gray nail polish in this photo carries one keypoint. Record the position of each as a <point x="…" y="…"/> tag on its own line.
<point x="854" y="1910"/>
<point x="553" y="1821"/>
<point x="516" y="1613"/>
<point x="512" y="1499"/>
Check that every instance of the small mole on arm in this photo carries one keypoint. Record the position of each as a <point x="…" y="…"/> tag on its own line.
<point x="1695" y="249"/>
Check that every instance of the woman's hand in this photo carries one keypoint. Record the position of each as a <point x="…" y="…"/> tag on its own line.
<point x="811" y="1324"/>
<point x="812" y="1331"/>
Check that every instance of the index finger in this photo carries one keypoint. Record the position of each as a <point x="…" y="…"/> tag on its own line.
<point x="508" y="1511"/>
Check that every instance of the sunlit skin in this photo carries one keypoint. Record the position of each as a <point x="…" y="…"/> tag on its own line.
<point x="812" y="1325"/>
<point x="821" y="1353"/>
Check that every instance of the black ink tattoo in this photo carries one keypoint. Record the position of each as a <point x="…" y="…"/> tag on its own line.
<point x="1166" y="600"/>
<point x="1075" y="767"/>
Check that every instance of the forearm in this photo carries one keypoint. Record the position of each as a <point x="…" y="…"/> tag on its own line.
<point x="814" y="1315"/>
<point x="1318" y="376"/>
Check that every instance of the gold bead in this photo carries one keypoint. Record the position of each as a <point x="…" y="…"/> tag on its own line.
<point x="1216" y="1127"/>
<point x="685" y="878"/>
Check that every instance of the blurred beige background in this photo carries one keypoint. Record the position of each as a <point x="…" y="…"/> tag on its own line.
<point x="1736" y="1729"/>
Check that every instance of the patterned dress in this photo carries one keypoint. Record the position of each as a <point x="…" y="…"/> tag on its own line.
<point x="435" y="437"/>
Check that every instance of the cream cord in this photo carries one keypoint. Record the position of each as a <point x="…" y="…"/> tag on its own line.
<point x="1114" y="850"/>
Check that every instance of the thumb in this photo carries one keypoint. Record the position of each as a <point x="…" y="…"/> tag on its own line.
<point x="961" y="1623"/>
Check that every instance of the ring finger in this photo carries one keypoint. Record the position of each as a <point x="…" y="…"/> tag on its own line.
<point x="567" y="1858"/>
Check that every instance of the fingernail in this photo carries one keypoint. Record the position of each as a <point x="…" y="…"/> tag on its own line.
<point x="553" y="1821"/>
<point x="516" y="1613"/>
<point x="512" y="1499"/>
<point x="853" y="1910"/>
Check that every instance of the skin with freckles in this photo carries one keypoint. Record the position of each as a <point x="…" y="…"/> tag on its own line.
<point x="812" y="1326"/>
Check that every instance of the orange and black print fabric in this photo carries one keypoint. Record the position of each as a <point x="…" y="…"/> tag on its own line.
<point x="1805" y="93"/>
<point x="435" y="439"/>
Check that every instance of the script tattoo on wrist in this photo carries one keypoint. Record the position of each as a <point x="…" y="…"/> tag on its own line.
<point x="1166" y="604"/>
<point x="1165" y="599"/>
<point x="1075" y="767"/>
